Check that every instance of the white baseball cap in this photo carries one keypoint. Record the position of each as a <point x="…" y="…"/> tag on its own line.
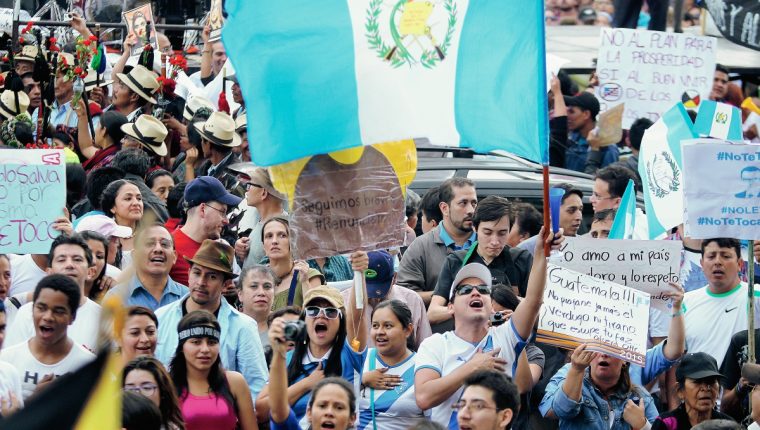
<point x="103" y="225"/>
<point x="472" y="270"/>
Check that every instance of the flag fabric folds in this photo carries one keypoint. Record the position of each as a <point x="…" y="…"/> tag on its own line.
<point x="625" y="217"/>
<point x="324" y="76"/>
<point x="718" y="120"/>
<point x="660" y="169"/>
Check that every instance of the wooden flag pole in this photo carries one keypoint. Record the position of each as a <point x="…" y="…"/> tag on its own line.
<point x="751" y="293"/>
<point x="547" y="210"/>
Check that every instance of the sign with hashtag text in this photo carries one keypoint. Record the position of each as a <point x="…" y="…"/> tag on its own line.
<point x="721" y="189"/>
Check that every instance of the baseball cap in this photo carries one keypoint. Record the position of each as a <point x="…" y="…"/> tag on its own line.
<point x="698" y="365"/>
<point x="472" y="270"/>
<point x="204" y="189"/>
<point x="103" y="225"/>
<point x="379" y="274"/>
<point x="585" y="101"/>
<point x="330" y="294"/>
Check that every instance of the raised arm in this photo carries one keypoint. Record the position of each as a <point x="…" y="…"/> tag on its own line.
<point x="279" y="407"/>
<point x="357" y="327"/>
<point x="676" y="345"/>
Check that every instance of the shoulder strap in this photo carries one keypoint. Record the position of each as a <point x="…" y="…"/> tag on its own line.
<point x="292" y="289"/>
<point x="470" y="251"/>
<point x="372" y="358"/>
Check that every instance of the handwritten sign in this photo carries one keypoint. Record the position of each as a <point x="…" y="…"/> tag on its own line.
<point x="737" y="20"/>
<point x="646" y="265"/>
<point x="609" y="317"/>
<point x="721" y="189"/>
<point x="32" y="196"/>
<point x="649" y="71"/>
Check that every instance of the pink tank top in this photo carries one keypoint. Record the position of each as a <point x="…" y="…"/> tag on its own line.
<point x="207" y="412"/>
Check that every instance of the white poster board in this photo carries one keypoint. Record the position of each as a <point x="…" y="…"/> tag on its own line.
<point x="32" y="196"/>
<point x="721" y="189"/>
<point x="646" y="265"/>
<point x="649" y="71"/>
<point x="609" y="317"/>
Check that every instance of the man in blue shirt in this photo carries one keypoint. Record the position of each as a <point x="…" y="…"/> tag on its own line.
<point x="239" y="344"/>
<point x="153" y="258"/>
<point x="584" y="154"/>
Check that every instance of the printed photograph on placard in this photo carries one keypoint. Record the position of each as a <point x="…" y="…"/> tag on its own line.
<point x="140" y="24"/>
<point x="215" y="20"/>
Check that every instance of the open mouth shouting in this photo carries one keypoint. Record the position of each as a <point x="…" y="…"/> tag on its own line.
<point x="476" y="303"/>
<point x="320" y="329"/>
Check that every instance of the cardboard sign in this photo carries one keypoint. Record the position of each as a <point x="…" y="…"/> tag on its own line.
<point x="610" y="318"/>
<point x="215" y="20"/>
<point x="649" y="71"/>
<point x="32" y="196"/>
<point x="646" y="265"/>
<point x="347" y="201"/>
<point x="721" y="189"/>
<point x="140" y="23"/>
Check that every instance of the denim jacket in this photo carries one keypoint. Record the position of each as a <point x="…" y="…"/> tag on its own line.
<point x="593" y="410"/>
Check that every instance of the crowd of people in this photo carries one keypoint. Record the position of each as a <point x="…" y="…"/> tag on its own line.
<point x="652" y="14"/>
<point x="226" y="327"/>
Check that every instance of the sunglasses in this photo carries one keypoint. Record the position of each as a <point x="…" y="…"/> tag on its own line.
<point x="464" y="290"/>
<point x="315" y="311"/>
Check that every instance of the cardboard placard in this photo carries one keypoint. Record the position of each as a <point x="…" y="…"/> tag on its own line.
<point x="32" y="196"/>
<point x="609" y="317"/>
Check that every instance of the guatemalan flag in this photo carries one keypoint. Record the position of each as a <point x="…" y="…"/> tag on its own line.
<point x="324" y="75"/>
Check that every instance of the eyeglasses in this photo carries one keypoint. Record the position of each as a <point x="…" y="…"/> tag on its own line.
<point x="474" y="406"/>
<point x="315" y="311"/>
<point x="146" y="390"/>
<point x="250" y="185"/>
<point x="464" y="290"/>
<point x="221" y="211"/>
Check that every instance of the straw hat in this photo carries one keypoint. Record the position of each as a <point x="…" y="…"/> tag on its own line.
<point x="68" y="58"/>
<point x="214" y="255"/>
<point x="8" y="104"/>
<point x="241" y="122"/>
<point x="28" y="53"/>
<point x="142" y="81"/>
<point x="89" y="80"/>
<point x="149" y="131"/>
<point x="219" y="129"/>
<point x="195" y="103"/>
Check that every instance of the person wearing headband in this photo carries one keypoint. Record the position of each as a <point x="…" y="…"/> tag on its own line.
<point x="209" y="395"/>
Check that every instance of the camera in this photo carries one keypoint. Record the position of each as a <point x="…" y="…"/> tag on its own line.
<point x="497" y="319"/>
<point x="294" y="331"/>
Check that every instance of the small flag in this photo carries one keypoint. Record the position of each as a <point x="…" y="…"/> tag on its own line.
<point x="718" y="120"/>
<point x="660" y="169"/>
<point x="625" y="217"/>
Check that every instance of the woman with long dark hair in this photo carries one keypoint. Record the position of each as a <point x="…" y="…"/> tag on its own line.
<point x="101" y="148"/>
<point x="333" y="345"/>
<point x="139" y="335"/>
<point x="147" y="376"/>
<point x="123" y="202"/>
<point x="209" y="396"/>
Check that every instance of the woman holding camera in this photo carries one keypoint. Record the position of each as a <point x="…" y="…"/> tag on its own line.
<point x="334" y="343"/>
<point x="387" y="397"/>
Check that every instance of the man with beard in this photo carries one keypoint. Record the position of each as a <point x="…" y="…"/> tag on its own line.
<point x="206" y="202"/>
<point x="239" y="344"/>
<point x="153" y="257"/>
<point x="424" y="258"/>
<point x="508" y="266"/>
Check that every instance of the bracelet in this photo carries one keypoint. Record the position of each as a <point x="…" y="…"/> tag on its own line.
<point x="677" y="314"/>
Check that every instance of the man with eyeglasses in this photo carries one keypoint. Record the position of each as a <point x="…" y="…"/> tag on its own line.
<point x="609" y="187"/>
<point x="489" y="402"/>
<point x="445" y="360"/>
<point x="239" y="344"/>
<point x="206" y="202"/>
<point x="153" y="258"/>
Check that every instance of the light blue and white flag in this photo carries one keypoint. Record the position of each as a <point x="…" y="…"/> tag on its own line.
<point x="625" y="217"/>
<point x="321" y="76"/>
<point x="660" y="169"/>
<point x="718" y="120"/>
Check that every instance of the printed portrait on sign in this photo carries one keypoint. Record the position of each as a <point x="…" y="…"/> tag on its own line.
<point x="215" y="20"/>
<point x="140" y="25"/>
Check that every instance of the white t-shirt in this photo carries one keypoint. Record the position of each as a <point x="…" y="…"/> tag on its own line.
<point x="83" y="331"/>
<point x="711" y="319"/>
<point x="25" y="274"/>
<point x="11" y="310"/>
<point x="10" y="382"/>
<point x="394" y="409"/>
<point x="445" y="352"/>
<point x="32" y="371"/>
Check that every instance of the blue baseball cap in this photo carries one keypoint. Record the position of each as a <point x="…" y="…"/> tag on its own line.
<point x="379" y="274"/>
<point x="204" y="189"/>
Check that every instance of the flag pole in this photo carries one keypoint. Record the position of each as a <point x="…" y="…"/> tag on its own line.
<point x="543" y="116"/>
<point x="751" y="292"/>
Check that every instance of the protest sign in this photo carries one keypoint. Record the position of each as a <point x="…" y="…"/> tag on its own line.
<point x="721" y="189"/>
<point x="651" y="70"/>
<point x="737" y="20"/>
<point x="140" y="24"/>
<point x="215" y="20"/>
<point x="646" y="265"/>
<point x="347" y="201"/>
<point x="578" y="308"/>
<point x="32" y="196"/>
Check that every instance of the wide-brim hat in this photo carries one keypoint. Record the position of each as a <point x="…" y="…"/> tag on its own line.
<point x="28" y="53"/>
<point x="219" y="129"/>
<point x="232" y="78"/>
<point x="89" y="80"/>
<point x="214" y="255"/>
<point x="149" y="131"/>
<point x="142" y="81"/>
<point x="330" y="294"/>
<point x="8" y="103"/>
<point x="193" y="104"/>
<point x="471" y="270"/>
<point x="241" y="123"/>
